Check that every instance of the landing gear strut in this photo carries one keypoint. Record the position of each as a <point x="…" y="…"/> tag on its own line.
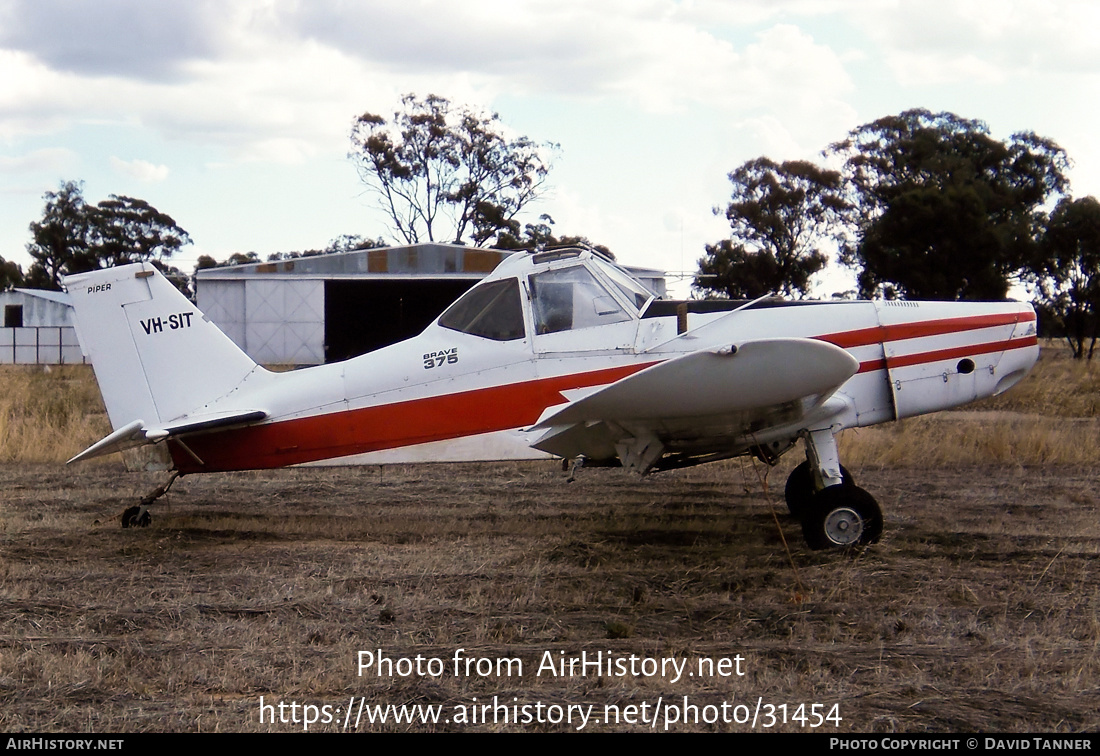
<point x="800" y="488"/>
<point x="835" y="512"/>
<point x="138" y="516"/>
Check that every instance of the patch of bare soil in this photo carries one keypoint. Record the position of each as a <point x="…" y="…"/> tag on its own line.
<point x="978" y="610"/>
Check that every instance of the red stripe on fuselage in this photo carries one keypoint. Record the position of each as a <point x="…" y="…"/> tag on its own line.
<point x="968" y="350"/>
<point x="903" y="331"/>
<point x="388" y="426"/>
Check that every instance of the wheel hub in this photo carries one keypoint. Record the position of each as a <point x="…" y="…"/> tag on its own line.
<point x="844" y="526"/>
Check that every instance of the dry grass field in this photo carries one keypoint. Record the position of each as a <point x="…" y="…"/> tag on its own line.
<point x="978" y="610"/>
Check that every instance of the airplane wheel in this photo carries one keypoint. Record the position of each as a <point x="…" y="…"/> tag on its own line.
<point x="136" y="517"/>
<point x="800" y="488"/>
<point x="841" y="516"/>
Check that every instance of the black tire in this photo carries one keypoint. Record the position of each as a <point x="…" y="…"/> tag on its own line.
<point x="800" y="488"/>
<point x="840" y="517"/>
<point x="136" y="517"/>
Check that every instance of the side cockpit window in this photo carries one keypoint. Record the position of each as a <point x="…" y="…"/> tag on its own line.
<point x="492" y="310"/>
<point x="571" y="298"/>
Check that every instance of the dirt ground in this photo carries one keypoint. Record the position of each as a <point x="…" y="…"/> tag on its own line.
<point x="978" y="610"/>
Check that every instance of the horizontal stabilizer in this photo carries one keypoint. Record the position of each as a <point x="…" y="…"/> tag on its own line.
<point x="208" y="421"/>
<point x="126" y="437"/>
<point x="136" y="434"/>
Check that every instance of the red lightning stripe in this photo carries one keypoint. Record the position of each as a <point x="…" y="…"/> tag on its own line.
<point x="388" y="426"/>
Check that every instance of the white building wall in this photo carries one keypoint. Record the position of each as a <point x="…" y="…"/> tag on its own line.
<point x="40" y="345"/>
<point x="47" y="336"/>
<point x="223" y="303"/>
<point x="38" y="310"/>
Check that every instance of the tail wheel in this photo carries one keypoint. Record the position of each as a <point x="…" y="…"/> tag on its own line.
<point x="136" y="517"/>
<point x="800" y="488"/>
<point x="841" y="516"/>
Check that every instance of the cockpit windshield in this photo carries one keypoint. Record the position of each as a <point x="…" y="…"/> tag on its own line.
<point x="628" y="285"/>
<point x="491" y="310"/>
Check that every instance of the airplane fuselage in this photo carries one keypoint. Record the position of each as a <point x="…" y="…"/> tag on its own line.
<point x="447" y="396"/>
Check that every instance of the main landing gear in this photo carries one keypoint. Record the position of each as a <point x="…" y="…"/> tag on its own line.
<point x="835" y="512"/>
<point x="138" y="516"/>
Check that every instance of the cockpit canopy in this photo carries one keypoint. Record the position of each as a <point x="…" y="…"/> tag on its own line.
<point x="568" y="290"/>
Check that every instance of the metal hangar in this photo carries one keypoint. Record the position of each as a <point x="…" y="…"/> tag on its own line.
<point x="327" y="308"/>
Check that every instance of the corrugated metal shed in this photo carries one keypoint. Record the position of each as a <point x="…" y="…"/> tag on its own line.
<point x="31" y="308"/>
<point x="415" y="260"/>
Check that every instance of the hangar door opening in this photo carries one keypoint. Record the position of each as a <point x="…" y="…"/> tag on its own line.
<point x="361" y="316"/>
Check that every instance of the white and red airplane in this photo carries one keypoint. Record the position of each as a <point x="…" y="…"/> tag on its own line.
<point x="558" y="353"/>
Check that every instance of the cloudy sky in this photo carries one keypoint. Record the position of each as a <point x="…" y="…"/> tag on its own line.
<point x="233" y="117"/>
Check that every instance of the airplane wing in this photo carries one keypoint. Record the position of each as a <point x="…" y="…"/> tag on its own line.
<point x="136" y="433"/>
<point x="702" y="402"/>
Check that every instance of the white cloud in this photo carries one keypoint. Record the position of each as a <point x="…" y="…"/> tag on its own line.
<point x="800" y="91"/>
<point x="51" y="160"/>
<point x="132" y="38"/>
<point x="142" y="170"/>
<point x="983" y="41"/>
<point x="787" y="59"/>
<point x="656" y="54"/>
<point x="283" y="80"/>
<point x="29" y="96"/>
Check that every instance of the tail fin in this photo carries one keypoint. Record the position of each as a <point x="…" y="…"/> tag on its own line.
<point x="156" y="356"/>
